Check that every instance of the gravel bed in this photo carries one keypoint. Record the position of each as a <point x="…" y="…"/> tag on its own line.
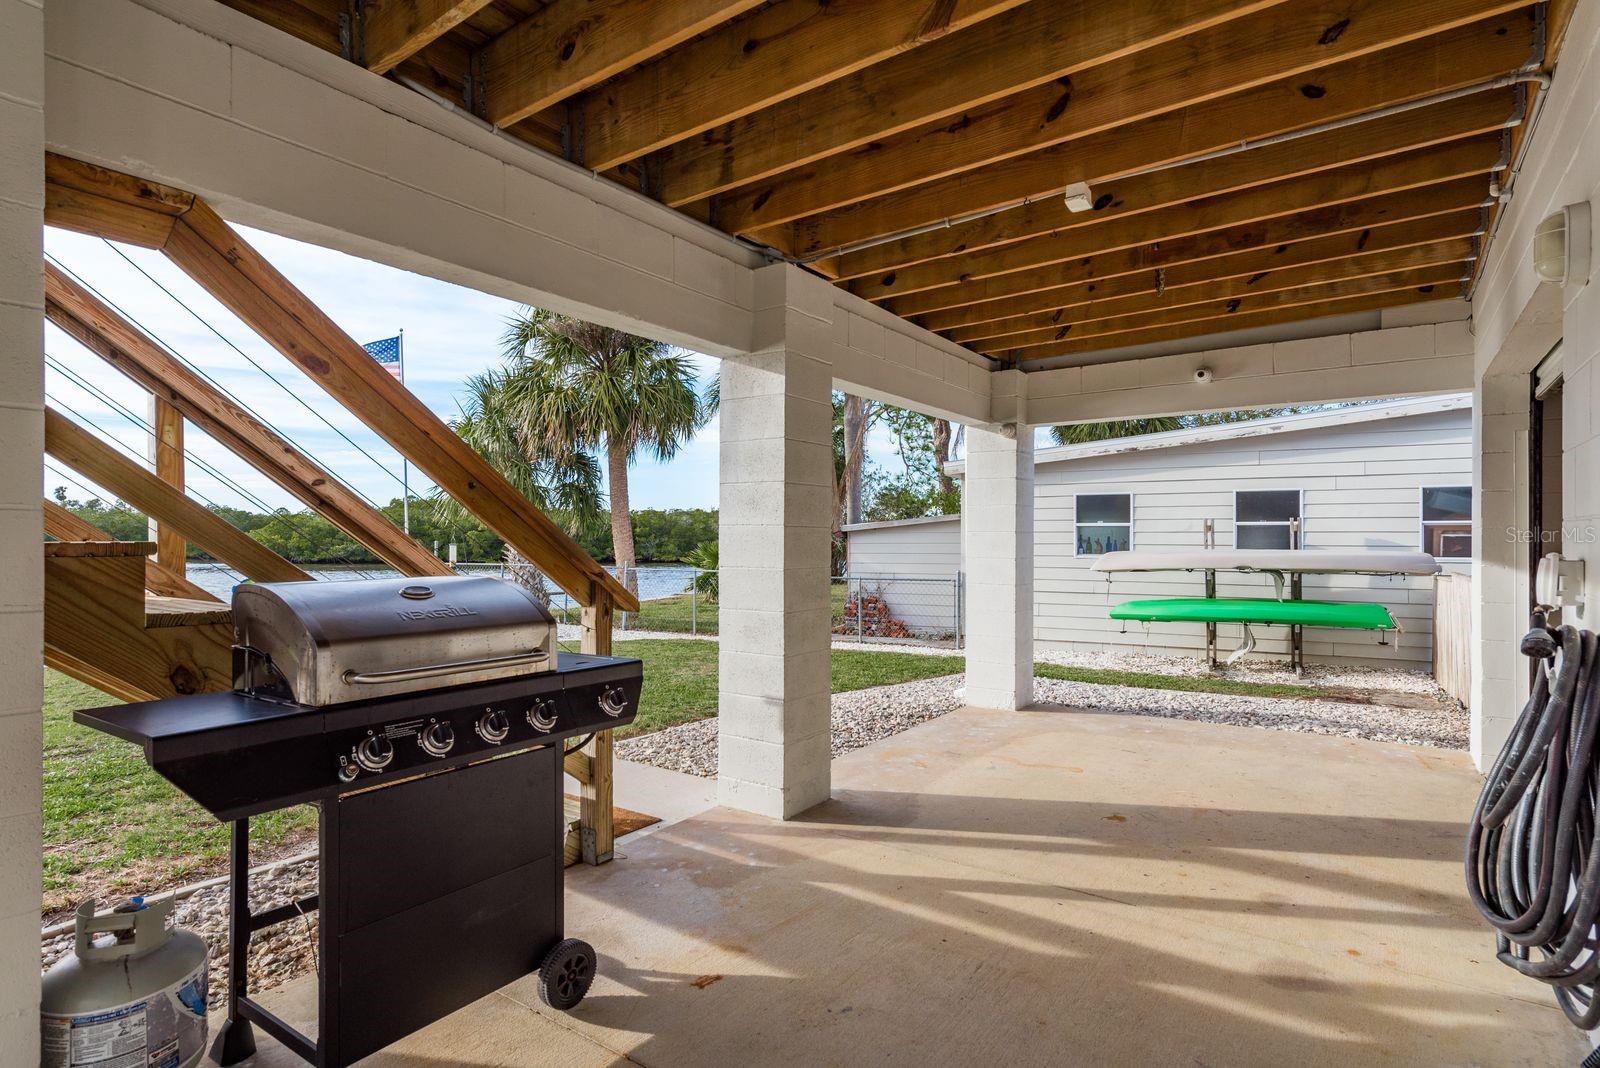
<point x="1440" y="725"/>
<point x="865" y="716"/>
<point x="859" y="718"/>
<point x="1254" y="669"/>
<point x="277" y="954"/>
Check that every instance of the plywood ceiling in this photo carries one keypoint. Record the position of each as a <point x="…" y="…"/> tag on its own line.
<point x="916" y="151"/>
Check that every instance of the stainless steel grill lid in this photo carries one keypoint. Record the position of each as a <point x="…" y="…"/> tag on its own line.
<point x="328" y="643"/>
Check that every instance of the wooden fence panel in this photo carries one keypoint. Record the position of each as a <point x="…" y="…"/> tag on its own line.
<point x="1452" y="635"/>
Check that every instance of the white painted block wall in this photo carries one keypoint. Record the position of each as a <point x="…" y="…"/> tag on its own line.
<point x="21" y="530"/>
<point x="1516" y="319"/>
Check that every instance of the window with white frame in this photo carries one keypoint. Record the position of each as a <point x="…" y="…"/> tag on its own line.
<point x="1447" y="522"/>
<point x="1265" y="519"/>
<point x="1105" y="523"/>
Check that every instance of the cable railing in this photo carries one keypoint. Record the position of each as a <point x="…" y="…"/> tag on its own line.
<point x="275" y="515"/>
<point x="215" y="384"/>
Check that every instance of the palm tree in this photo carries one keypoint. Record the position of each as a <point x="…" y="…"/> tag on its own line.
<point x="572" y="385"/>
<point x="1079" y="433"/>
<point x="565" y="485"/>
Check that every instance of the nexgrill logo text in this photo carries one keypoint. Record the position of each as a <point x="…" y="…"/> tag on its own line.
<point x="442" y="612"/>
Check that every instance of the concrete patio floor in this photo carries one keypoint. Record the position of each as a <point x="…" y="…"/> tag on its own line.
<point x="1042" y="887"/>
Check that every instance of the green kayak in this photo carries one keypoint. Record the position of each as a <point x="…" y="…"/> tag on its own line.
<point x="1263" y="610"/>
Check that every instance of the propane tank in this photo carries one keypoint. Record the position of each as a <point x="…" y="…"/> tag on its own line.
<point x="133" y="992"/>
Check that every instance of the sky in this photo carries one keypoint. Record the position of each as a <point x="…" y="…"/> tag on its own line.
<point x="450" y="334"/>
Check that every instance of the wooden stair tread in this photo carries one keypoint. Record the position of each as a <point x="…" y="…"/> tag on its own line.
<point x="184" y="612"/>
<point x="98" y="548"/>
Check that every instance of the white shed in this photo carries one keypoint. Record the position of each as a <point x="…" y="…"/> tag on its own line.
<point x="1392" y="475"/>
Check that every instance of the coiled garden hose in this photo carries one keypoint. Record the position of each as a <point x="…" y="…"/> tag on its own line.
<point x="1533" y="855"/>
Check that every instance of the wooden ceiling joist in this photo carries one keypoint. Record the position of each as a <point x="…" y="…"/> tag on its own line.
<point x="162" y="581"/>
<point x="392" y="31"/>
<point x="1271" y="317"/>
<point x="777" y="53"/>
<point x="1314" y="290"/>
<point x="991" y="318"/>
<point x="567" y="47"/>
<point x="1143" y="111"/>
<point x="1468" y="56"/>
<point x="1205" y="60"/>
<point x="1036" y="44"/>
<point x="1474" y="156"/>
<point x="101" y="330"/>
<point x="111" y="470"/>
<point x="1345" y="147"/>
<point x="1044" y="327"/>
<point x="1352" y="219"/>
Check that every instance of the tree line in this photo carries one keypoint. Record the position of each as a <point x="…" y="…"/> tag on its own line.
<point x="661" y="535"/>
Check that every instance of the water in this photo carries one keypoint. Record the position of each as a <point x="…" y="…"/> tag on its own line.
<point x="655" y="580"/>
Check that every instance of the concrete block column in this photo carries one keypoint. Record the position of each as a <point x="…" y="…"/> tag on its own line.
<point x="1500" y="414"/>
<point x="21" y="526"/>
<point x="997" y="534"/>
<point x="774" y="528"/>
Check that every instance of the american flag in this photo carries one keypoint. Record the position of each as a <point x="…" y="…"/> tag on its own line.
<point x="387" y="353"/>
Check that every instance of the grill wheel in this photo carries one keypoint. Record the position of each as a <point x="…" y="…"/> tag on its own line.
<point x="565" y="976"/>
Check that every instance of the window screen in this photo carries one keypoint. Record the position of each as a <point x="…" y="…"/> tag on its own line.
<point x="1263" y="518"/>
<point x="1447" y="521"/>
<point x="1105" y="523"/>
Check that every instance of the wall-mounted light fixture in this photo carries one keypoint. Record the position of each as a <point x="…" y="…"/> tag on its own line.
<point x="1561" y="246"/>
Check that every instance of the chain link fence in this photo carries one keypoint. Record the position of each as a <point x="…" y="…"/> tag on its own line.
<point x="925" y="609"/>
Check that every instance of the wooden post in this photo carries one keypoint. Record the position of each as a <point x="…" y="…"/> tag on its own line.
<point x="166" y="457"/>
<point x="594" y="812"/>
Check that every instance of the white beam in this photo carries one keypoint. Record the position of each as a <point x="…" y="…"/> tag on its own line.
<point x="1397" y="362"/>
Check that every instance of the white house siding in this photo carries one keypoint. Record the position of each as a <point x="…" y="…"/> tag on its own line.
<point x="915" y="564"/>
<point x="1361" y="489"/>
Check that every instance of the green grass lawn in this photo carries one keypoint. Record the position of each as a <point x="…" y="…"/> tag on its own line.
<point x="113" y="826"/>
<point x="1192" y="684"/>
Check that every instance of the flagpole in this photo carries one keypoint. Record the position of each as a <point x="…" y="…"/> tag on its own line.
<point x="405" y="465"/>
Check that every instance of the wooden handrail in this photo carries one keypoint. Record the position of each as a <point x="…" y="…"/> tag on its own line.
<point x="103" y="465"/>
<point x="66" y="526"/>
<point x="121" y="344"/>
<point x="95" y="200"/>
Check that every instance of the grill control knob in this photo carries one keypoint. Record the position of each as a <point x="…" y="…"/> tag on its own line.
<point x="437" y="739"/>
<point x="375" y="752"/>
<point x="493" y="726"/>
<point x="613" y="701"/>
<point x="542" y="716"/>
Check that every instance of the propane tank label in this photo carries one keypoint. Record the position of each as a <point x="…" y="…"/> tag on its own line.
<point x="162" y="1030"/>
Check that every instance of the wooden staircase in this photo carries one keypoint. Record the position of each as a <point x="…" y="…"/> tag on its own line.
<point x="102" y="628"/>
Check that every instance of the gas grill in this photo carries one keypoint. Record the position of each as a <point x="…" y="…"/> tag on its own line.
<point x="427" y="720"/>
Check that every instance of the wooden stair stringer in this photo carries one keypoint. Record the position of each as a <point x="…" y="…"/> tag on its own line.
<point x="102" y="629"/>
